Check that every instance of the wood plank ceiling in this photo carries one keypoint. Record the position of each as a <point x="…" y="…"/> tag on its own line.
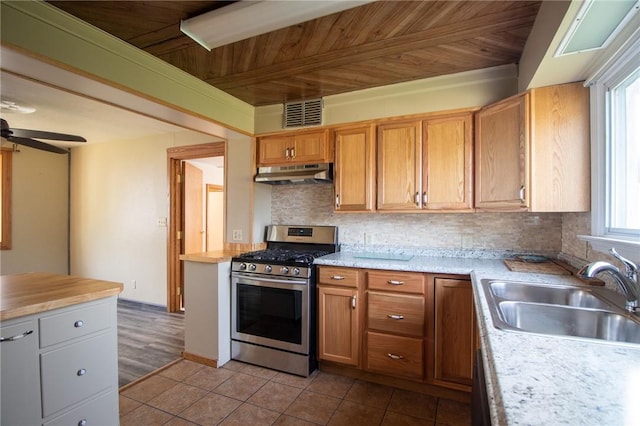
<point x="377" y="44"/>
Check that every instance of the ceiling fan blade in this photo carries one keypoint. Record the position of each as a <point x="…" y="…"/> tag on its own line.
<point x="38" y="134"/>
<point x="37" y="145"/>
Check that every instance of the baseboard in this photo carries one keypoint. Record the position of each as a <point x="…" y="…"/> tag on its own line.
<point x="200" y="359"/>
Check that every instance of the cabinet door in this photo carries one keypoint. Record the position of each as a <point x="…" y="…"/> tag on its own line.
<point x="310" y="148"/>
<point x="20" y="377"/>
<point x="354" y="169"/>
<point x="399" y="170"/>
<point x="273" y="150"/>
<point x="501" y="154"/>
<point x="447" y="163"/>
<point x="455" y="333"/>
<point x="339" y="334"/>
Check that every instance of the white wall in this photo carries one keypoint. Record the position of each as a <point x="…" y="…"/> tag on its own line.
<point x="39" y="214"/>
<point x="118" y="191"/>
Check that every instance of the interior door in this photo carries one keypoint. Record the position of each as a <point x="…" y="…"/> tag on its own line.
<point x="193" y="209"/>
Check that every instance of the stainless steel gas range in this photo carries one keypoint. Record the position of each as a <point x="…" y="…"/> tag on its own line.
<point x="273" y="295"/>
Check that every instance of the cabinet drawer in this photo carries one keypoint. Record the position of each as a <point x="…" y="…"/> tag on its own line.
<point x="74" y="323"/>
<point x="77" y="371"/>
<point x="345" y="277"/>
<point x="404" y="282"/>
<point x="100" y="411"/>
<point x="402" y="356"/>
<point x="396" y="313"/>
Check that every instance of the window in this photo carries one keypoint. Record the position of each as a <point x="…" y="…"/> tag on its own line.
<point x="5" y="199"/>
<point x="615" y="135"/>
<point x="623" y="146"/>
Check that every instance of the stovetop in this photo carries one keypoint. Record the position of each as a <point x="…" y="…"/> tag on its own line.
<point x="282" y="256"/>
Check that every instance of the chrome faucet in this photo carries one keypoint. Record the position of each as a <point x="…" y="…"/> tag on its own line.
<point x="628" y="282"/>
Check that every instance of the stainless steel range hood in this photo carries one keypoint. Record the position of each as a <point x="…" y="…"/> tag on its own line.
<point x="295" y="174"/>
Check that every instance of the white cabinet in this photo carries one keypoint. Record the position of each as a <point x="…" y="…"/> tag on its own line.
<point x="66" y="370"/>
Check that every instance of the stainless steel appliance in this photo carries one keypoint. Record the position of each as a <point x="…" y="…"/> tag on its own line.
<point x="273" y="298"/>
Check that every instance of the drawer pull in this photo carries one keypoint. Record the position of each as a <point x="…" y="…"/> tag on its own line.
<point x="82" y="422"/>
<point x="395" y="317"/>
<point x="337" y="277"/>
<point x="16" y="337"/>
<point x="78" y="324"/>
<point x="395" y="282"/>
<point x="353" y="302"/>
<point x="396" y="357"/>
<point x="82" y="372"/>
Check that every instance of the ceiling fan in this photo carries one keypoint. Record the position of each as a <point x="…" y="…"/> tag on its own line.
<point x="24" y="137"/>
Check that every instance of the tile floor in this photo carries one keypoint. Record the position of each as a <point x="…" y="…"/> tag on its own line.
<point x="188" y="393"/>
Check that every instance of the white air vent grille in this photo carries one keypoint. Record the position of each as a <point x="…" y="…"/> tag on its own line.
<point x="304" y="113"/>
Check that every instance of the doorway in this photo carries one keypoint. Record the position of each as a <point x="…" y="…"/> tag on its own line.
<point x="176" y="158"/>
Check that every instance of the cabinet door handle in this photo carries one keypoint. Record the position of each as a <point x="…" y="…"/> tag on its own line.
<point x="395" y="282"/>
<point x="286" y="153"/>
<point x="16" y="337"/>
<point x="353" y="302"/>
<point x="396" y="357"/>
<point x="337" y="200"/>
<point x="417" y="199"/>
<point x="82" y="372"/>
<point x="522" y="193"/>
<point x="337" y="277"/>
<point x="395" y="317"/>
<point x="78" y="324"/>
<point x="425" y="198"/>
<point x="293" y="153"/>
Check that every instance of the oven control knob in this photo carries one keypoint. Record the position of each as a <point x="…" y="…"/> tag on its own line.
<point x="284" y="270"/>
<point x="267" y="268"/>
<point x="296" y="271"/>
<point x="252" y="267"/>
<point x="243" y="266"/>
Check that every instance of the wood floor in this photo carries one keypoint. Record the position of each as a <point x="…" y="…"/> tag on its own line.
<point x="148" y="338"/>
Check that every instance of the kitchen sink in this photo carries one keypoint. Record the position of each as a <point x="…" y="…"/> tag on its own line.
<point x="549" y="294"/>
<point x="570" y="321"/>
<point x="560" y="310"/>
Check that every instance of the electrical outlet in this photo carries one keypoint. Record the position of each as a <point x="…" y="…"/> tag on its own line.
<point x="162" y="222"/>
<point x="368" y="238"/>
<point x="134" y="285"/>
<point x="236" y="235"/>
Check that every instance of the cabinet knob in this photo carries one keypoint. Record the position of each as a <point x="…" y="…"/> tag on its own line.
<point x="395" y="357"/>
<point x="82" y="372"/>
<point x="78" y="324"/>
<point x="395" y="282"/>
<point x="395" y="317"/>
<point x="82" y="422"/>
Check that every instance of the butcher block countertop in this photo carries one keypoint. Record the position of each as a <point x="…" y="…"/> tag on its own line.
<point x="32" y="293"/>
<point x="219" y="256"/>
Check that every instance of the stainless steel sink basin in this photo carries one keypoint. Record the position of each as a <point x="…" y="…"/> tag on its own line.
<point x="567" y="321"/>
<point x="550" y="294"/>
<point x="560" y="310"/>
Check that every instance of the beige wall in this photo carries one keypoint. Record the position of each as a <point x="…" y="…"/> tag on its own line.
<point x="40" y="214"/>
<point x="462" y="90"/>
<point x="118" y="191"/>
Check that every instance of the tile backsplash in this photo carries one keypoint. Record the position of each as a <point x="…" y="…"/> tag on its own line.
<point x="313" y="205"/>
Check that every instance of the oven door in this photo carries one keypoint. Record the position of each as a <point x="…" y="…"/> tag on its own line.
<point x="272" y="312"/>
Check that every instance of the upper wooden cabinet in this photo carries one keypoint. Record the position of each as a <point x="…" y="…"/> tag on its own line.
<point x="532" y="151"/>
<point x="426" y="164"/>
<point x="354" y="169"/>
<point x="297" y="148"/>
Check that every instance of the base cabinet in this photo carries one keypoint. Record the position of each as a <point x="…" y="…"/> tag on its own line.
<point x="455" y="333"/>
<point x="339" y="309"/>
<point x="410" y="325"/>
<point x="64" y="370"/>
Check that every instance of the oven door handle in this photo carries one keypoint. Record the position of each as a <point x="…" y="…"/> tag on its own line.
<point x="247" y="279"/>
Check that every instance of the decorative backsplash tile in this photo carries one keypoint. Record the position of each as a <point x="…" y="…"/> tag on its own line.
<point x="312" y="205"/>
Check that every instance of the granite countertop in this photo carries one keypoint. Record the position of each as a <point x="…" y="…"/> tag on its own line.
<point x="32" y="293"/>
<point x="533" y="379"/>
